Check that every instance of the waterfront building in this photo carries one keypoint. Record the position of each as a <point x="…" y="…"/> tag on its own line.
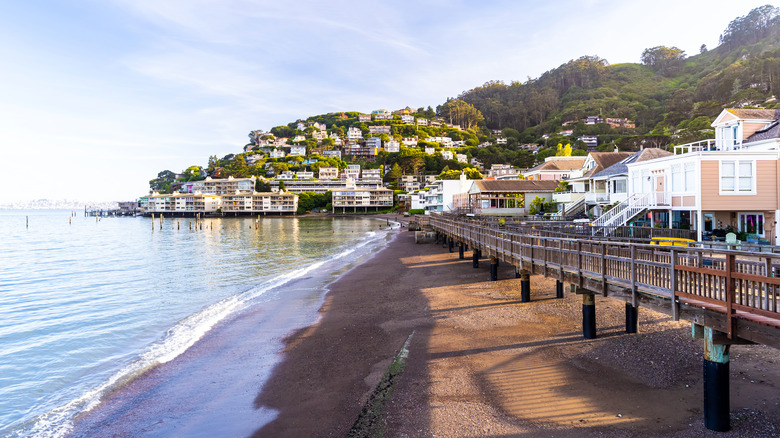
<point x="223" y="186"/>
<point x="507" y="197"/>
<point x="256" y="203"/>
<point x="353" y="197"/>
<point x="730" y="181"/>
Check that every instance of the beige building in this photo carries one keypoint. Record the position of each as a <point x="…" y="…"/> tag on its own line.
<point x="353" y="198"/>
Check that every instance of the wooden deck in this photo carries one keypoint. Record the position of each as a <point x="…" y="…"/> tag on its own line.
<point x="734" y="292"/>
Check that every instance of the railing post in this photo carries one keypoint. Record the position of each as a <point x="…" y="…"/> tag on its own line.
<point x="673" y="285"/>
<point x="730" y="292"/>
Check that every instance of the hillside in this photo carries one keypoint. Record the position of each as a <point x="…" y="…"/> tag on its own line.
<point x="668" y="99"/>
<point x="667" y="89"/>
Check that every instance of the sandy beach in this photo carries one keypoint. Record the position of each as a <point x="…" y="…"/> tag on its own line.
<point x="481" y="363"/>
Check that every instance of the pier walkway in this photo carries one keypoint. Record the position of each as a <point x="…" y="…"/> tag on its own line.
<point x="729" y="296"/>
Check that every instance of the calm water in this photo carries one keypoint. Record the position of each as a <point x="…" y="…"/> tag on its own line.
<point x="86" y="305"/>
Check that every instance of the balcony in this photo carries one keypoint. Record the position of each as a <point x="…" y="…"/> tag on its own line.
<point x="597" y="198"/>
<point x="709" y="145"/>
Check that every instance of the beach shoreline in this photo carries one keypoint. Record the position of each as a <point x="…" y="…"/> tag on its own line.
<point x="480" y="363"/>
<point x="468" y="368"/>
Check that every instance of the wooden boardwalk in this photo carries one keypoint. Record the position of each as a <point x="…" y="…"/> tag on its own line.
<point x="732" y="292"/>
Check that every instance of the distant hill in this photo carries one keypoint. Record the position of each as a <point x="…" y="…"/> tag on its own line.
<point x="668" y="89"/>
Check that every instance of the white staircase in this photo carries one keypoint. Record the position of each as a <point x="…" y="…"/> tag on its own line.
<point x="572" y="209"/>
<point x="622" y="213"/>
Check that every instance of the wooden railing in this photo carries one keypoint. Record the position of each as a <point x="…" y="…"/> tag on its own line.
<point x="735" y="284"/>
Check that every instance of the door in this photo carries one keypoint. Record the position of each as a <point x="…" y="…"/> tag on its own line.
<point x="660" y="189"/>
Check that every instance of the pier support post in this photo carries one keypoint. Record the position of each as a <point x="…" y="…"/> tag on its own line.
<point x="461" y="248"/>
<point x="493" y="269"/>
<point x="437" y="237"/>
<point x="589" y="315"/>
<point x="452" y="244"/>
<point x="518" y="274"/>
<point x="525" y="287"/>
<point x="443" y="240"/>
<point x="558" y="289"/>
<point x="716" y="382"/>
<point x="475" y="259"/>
<point x="632" y="318"/>
<point x="479" y="254"/>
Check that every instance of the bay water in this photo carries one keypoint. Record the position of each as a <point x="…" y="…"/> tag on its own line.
<point x="87" y="304"/>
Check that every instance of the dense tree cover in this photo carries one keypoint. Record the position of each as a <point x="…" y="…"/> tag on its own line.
<point x="742" y="71"/>
<point x="309" y="201"/>
<point x="760" y="23"/>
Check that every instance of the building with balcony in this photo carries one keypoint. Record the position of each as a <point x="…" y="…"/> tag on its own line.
<point x="439" y="197"/>
<point x="556" y="169"/>
<point x="354" y="198"/>
<point x="328" y="172"/>
<point x="379" y="129"/>
<point x="223" y="186"/>
<point x="731" y="182"/>
<point x="257" y="203"/>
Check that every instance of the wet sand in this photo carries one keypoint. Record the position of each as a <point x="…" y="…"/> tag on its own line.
<point x="483" y="364"/>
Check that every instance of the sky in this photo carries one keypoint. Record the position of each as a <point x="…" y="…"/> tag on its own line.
<point x="98" y="96"/>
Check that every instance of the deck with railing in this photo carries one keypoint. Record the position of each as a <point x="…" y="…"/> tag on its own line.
<point x="735" y="292"/>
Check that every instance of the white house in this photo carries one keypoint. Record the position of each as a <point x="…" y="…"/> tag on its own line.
<point x="392" y="146"/>
<point x="296" y="150"/>
<point x="409" y="141"/>
<point x="354" y="134"/>
<point x="438" y="199"/>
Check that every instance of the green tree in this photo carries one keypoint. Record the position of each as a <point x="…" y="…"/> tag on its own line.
<point x="662" y="59"/>
<point x="460" y="113"/>
<point x="162" y="184"/>
<point x="394" y="173"/>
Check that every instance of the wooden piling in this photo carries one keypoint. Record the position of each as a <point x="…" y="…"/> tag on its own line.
<point x="588" y="315"/>
<point x="716" y="382"/>
<point x="493" y="269"/>
<point x="525" y="287"/>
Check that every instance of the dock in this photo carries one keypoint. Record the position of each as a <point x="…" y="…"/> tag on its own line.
<point x="729" y="296"/>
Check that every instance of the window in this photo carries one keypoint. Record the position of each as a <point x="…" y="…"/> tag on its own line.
<point x="736" y="177"/>
<point x="677" y="178"/>
<point x="752" y="223"/>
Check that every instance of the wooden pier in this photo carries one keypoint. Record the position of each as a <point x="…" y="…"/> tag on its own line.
<point x="729" y="297"/>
